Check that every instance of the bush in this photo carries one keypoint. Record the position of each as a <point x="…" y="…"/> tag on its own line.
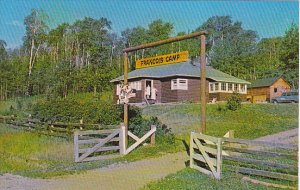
<point x="234" y="102"/>
<point x="140" y="125"/>
<point x="72" y="110"/>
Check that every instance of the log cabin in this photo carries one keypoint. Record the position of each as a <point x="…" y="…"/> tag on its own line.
<point x="179" y="82"/>
<point x="263" y="90"/>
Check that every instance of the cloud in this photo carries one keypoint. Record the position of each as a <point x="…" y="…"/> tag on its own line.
<point x="16" y="24"/>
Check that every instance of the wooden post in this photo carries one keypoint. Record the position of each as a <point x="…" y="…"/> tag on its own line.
<point x="202" y="87"/>
<point x="192" y="151"/>
<point x="125" y="104"/>
<point x="219" y="158"/>
<point x="122" y="139"/>
<point x="152" y="138"/>
<point x="76" y="152"/>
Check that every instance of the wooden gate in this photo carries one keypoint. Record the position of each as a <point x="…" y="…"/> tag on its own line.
<point x="103" y="144"/>
<point x="138" y="140"/>
<point x="94" y="145"/>
<point x="206" y="154"/>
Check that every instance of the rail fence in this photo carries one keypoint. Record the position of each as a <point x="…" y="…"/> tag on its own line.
<point x="267" y="160"/>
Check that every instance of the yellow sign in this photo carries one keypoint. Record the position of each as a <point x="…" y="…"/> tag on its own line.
<point x="162" y="60"/>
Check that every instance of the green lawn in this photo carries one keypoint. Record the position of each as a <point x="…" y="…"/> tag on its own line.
<point x="251" y="121"/>
<point x="193" y="180"/>
<point x="35" y="155"/>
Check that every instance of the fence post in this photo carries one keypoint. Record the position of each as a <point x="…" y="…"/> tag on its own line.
<point x="152" y="138"/>
<point x="76" y="152"/>
<point x="122" y="139"/>
<point x="219" y="158"/>
<point x="191" y="150"/>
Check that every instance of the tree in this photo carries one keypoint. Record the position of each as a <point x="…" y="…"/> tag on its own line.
<point x="230" y="47"/>
<point x="289" y="55"/>
<point x="35" y="33"/>
<point x="3" y="53"/>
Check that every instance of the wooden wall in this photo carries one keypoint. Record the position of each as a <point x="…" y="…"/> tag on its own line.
<point x="268" y="91"/>
<point x="165" y="94"/>
<point x="281" y="86"/>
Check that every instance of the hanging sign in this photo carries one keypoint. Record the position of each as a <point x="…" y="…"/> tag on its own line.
<point x="162" y="60"/>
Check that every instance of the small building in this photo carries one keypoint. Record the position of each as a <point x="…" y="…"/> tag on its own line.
<point x="263" y="90"/>
<point x="179" y="82"/>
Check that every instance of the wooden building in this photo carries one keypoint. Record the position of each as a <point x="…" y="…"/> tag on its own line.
<point x="179" y="82"/>
<point x="263" y="90"/>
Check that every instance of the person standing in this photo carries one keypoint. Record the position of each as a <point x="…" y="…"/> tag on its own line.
<point x="154" y="93"/>
<point x="148" y="91"/>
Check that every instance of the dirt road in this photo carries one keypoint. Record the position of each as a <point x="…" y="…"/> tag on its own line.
<point x="126" y="176"/>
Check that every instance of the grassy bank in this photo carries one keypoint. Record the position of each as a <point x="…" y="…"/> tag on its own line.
<point x="194" y="180"/>
<point x="251" y="121"/>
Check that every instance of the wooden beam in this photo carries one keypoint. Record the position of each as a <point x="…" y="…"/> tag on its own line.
<point x="261" y="143"/>
<point x="166" y="41"/>
<point x="126" y="105"/>
<point x="202" y="86"/>
<point x="257" y="182"/>
<point x="263" y="173"/>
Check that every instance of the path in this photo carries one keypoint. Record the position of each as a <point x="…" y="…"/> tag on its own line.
<point x="127" y="176"/>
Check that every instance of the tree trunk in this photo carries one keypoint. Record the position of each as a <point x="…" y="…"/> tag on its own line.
<point x="31" y="58"/>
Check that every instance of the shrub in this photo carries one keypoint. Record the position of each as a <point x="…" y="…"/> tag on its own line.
<point x="72" y="110"/>
<point x="234" y="102"/>
<point x="140" y="125"/>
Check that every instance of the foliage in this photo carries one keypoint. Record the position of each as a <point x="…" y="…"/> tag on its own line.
<point x="140" y="125"/>
<point x="73" y="109"/>
<point x="234" y="102"/>
<point x="289" y="55"/>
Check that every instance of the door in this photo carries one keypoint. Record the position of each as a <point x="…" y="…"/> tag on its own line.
<point x="148" y="88"/>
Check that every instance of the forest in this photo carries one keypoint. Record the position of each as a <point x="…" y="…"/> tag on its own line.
<point x="85" y="55"/>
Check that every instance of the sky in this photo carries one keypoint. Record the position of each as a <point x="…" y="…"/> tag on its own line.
<point x="268" y="18"/>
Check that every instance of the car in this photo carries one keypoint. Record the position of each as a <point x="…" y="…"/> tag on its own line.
<point x="287" y="97"/>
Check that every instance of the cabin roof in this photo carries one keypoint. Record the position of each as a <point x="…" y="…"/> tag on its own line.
<point x="182" y="69"/>
<point x="265" y="82"/>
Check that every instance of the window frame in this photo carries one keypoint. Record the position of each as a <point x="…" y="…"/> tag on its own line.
<point x="176" y="84"/>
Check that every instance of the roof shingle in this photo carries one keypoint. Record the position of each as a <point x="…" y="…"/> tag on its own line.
<point x="181" y="69"/>
<point x="263" y="82"/>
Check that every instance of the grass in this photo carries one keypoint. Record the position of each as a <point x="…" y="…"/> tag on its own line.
<point x="39" y="156"/>
<point x="18" y="106"/>
<point x="34" y="155"/>
<point x="249" y="122"/>
<point x="192" y="179"/>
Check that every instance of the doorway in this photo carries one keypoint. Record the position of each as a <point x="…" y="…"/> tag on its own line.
<point x="148" y="88"/>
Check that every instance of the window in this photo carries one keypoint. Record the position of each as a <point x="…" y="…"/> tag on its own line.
<point x="223" y="86"/>
<point x="179" y="84"/>
<point x="230" y="86"/>
<point x="275" y="90"/>
<point x="216" y="86"/>
<point x="236" y="87"/>
<point x="242" y="87"/>
<point x="118" y="89"/>
<point x="136" y="85"/>
<point x="211" y="87"/>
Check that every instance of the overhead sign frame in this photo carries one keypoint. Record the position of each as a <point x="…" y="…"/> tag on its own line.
<point x="162" y="60"/>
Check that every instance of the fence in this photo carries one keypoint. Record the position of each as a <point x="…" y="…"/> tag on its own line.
<point x="251" y="157"/>
<point x="104" y="144"/>
<point x="261" y="158"/>
<point x="88" y="144"/>
<point x="204" y="157"/>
